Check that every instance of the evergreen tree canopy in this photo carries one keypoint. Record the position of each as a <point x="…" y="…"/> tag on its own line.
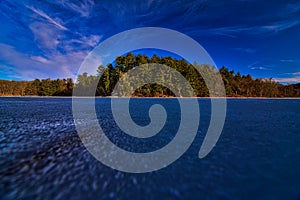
<point x="236" y="85"/>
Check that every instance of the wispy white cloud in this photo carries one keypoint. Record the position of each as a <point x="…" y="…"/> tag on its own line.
<point x="90" y="41"/>
<point x="40" y="59"/>
<point x="82" y="7"/>
<point x="20" y="64"/>
<point x="287" y="60"/>
<point x="258" y="66"/>
<point x="246" y="50"/>
<point x="62" y="53"/>
<point x="8" y="71"/>
<point x="46" y="36"/>
<point x="295" y="79"/>
<point x="29" y="67"/>
<point x="48" y="18"/>
<point x="279" y="26"/>
<point x="293" y="73"/>
<point x="296" y="73"/>
<point x="232" y="31"/>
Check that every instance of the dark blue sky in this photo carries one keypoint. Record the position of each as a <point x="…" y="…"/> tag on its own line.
<point x="40" y="39"/>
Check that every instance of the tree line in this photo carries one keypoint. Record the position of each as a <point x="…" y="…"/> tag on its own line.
<point x="236" y="85"/>
<point x="37" y="87"/>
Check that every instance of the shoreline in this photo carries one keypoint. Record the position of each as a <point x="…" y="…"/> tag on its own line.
<point x="110" y="97"/>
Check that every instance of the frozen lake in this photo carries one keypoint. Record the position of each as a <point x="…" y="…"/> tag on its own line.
<point x="256" y="157"/>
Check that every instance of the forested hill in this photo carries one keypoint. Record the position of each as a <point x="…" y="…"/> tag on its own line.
<point x="236" y="85"/>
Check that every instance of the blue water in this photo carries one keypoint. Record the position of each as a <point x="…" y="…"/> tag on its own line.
<point x="257" y="156"/>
